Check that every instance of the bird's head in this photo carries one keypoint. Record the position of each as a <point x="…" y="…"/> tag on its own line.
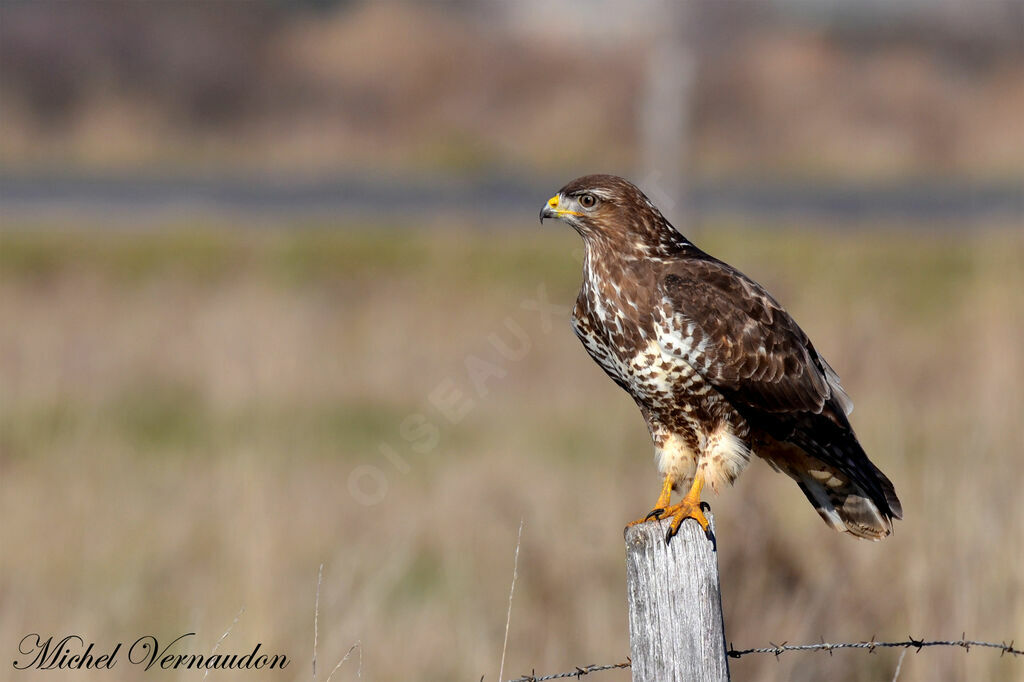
<point x="608" y="209"/>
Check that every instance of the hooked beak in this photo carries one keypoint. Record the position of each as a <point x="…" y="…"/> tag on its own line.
<point x="551" y="209"/>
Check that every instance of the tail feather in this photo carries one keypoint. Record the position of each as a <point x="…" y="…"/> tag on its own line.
<point x="846" y="508"/>
<point x="889" y="491"/>
<point x="843" y="501"/>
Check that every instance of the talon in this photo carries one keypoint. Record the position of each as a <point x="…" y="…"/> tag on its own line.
<point x="704" y="506"/>
<point x="660" y="506"/>
<point x="690" y="507"/>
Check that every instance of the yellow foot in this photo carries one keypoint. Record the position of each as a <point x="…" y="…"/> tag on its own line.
<point x="659" y="507"/>
<point x="688" y="508"/>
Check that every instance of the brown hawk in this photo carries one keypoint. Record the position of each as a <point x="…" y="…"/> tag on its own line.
<point x="719" y="370"/>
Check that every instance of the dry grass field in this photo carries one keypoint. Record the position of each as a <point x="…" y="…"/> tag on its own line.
<point x="182" y="410"/>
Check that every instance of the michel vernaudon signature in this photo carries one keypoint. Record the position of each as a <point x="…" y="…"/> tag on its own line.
<point x="72" y="653"/>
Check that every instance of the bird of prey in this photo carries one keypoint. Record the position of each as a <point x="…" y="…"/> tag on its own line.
<point x="718" y="368"/>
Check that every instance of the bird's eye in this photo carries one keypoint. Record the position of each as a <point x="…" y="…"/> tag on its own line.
<point x="588" y="200"/>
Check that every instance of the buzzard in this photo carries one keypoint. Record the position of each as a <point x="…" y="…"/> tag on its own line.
<point x="718" y="368"/>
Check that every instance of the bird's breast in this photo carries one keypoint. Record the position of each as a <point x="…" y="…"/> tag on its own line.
<point x="627" y="347"/>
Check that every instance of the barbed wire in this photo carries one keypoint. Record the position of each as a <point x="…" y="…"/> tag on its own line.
<point x="779" y="649"/>
<point x="577" y="673"/>
<point x="872" y="644"/>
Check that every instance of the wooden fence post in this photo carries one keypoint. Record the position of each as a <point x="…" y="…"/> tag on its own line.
<point x="676" y="632"/>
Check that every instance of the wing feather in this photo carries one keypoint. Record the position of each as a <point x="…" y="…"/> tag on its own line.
<point x="745" y="343"/>
<point x="749" y="348"/>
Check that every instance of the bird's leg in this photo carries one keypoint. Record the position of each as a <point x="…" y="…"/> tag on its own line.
<point x="688" y="508"/>
<point x="663" y="501"/>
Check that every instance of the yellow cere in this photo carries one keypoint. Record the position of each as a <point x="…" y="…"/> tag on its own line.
<point x="553" y="203"/>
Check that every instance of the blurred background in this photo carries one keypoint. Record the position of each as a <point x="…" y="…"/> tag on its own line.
<point x="273" y="295"/>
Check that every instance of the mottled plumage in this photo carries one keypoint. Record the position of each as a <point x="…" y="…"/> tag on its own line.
<point x="718" y="368"/>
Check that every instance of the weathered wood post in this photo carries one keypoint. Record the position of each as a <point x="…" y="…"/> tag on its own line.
<point x="676" y="632"/>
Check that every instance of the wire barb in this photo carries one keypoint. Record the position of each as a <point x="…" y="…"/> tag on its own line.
<point x="909" y="643"/>
<point x="578" y="673"/>
<point x="779" y="649"/>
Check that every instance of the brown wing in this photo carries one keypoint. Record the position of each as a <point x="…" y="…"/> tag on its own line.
<point x="742" y="342"/>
